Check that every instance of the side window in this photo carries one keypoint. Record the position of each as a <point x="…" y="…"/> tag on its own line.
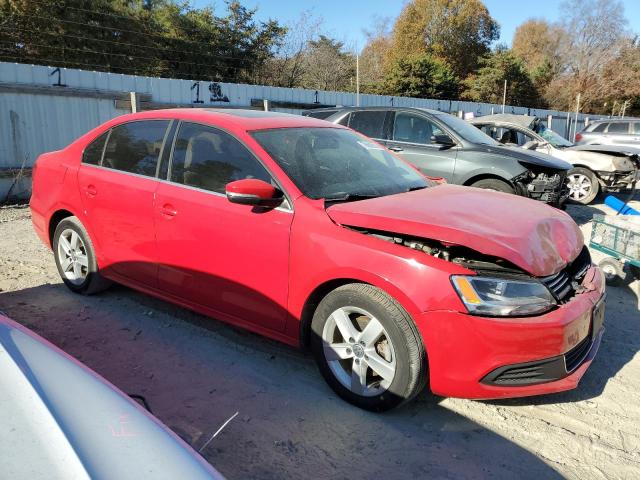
<point x="134" y="147"/>
<point x="93" y="152"/>
<point x="599" y="127"/>
<point x="345" y="120"/>
<point x="414" y="129"/>
<point x="207" y="158"/>
<point x="523" y="138"/>
<point x="369" y="123"/>
<point x="618" y="127"/>
<point x="636" y="127"/>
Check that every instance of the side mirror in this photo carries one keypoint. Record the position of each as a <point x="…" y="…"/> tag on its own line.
<point x="251" y="191"/>
<point x="443" y="140"/>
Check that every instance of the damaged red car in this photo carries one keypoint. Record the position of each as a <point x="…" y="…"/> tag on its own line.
<point x="312" y="234"/>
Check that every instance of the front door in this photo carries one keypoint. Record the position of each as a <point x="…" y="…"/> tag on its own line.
<point x="233" y="259"/>
<point x="117" y="185"/>
<point x="412" y="140"/>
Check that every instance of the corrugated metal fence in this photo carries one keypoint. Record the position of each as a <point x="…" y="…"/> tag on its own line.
<point x="43" y="108"/>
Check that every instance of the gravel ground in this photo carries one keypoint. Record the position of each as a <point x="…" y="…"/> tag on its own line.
<point x="196" y="373"/>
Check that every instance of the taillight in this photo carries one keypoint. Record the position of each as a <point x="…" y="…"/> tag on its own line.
<point x="578" y="137"/>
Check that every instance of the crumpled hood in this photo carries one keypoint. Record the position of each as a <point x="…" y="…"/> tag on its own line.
<point x="528" y="156"/>
<point x="537" y="238"/>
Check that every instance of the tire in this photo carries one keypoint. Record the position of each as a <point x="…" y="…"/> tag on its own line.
<point x="79" y="270"/>
<point x="494" y="184"/>
<point x="614" y="272"/>
<point x="583" y="185"/>
<point x="396" y="351"/>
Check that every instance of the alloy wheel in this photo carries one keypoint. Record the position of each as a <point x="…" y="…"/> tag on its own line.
<point x="580" y="186"/>
<point x="72" y="256"/>
<point x="359" y="351"/>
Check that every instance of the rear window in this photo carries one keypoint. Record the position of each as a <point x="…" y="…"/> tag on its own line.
<point x="93" y="152"/>
<point x="369" y="123"/>
<point x="618" y="127"/>
<point x="134" y="147"/>
<point x="599" y="127"/>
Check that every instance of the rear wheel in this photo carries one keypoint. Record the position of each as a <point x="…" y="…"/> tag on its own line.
<point x="614" y="272"/>
<point x="583" y="185"/>
<point x="75" y="258"/>
<point x="368" y="348"/>
<point x="494" y="184"/>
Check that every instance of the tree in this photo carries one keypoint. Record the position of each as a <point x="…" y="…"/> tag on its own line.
<point x="487" y="85"/>
<point x="374" y="55"/>
<point x="328" y="66"/>
<point x="422" y="76"/>
<point x="142" y="37"/>
<point x="455" y="31"/>
<point x="538" y="43"/>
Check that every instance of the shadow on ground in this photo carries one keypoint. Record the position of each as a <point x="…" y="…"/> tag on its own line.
<point x="196" y="372"/>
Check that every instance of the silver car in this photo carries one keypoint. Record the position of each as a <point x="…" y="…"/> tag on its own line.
<point x="624" y="132"/>
<point x="60" y="420"/>
<point x="608" y="168"/>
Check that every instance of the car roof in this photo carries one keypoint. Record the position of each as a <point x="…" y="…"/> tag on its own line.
<point x="244" y="119"/>
<point x="614" y="120"/>
<point x="378" y="107"/>
<point x="504" y="118"/>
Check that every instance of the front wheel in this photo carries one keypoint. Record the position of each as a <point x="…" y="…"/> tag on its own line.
<point x="494" y="184"/>
<point x="614" y="272"/>
<point x="368" y="348"/>
<point x="76" y="259"/>
<point x="583" y="185"/>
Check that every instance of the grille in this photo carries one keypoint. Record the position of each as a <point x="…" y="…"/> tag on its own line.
<point x="574" y="357"/>
<point x="563" y="284"/>
<point x="529" y="373"/>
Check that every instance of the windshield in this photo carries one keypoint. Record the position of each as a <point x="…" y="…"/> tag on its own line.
<point x="552" y="137"/>
<point x="467" y="131"/>
<point x="331" y="163"/>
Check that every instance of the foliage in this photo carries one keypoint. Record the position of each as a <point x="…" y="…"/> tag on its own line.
<point x="456" y="31"/>
<point x="145" y="37"/>
<point x="487" y="85"/>
<point x="421" y="76"/>
<point x="328" y="66"/>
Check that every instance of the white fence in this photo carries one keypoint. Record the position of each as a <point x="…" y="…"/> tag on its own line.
<point x="43" y="108"/>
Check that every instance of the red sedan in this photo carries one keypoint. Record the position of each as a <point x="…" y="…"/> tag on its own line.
<point x="312" y="234"/>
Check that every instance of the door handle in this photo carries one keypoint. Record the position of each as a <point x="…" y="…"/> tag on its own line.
<point x="395" y="148"/>
<point x="91" y="191"/>
<point x="168" y="210"/>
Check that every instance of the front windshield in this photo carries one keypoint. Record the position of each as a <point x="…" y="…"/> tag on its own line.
<point x="552" y="137"/>
<point x="331" y="163"/>
<point x="467" y="131"/>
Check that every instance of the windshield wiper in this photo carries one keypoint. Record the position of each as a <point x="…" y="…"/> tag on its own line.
<point x="413" y="189"/>
<point x="348" y="197"/>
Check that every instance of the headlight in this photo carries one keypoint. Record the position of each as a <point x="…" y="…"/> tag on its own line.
<point x="502" y="297"/>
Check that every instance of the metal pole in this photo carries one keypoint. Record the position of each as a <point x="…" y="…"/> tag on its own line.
<point x="624" y="108"/>
<point x="504" y="95"/>
<point x="549" y="121"/>
<point x="575" y="123"/>
<point x="357" y="80"/>
<point x="134" y="102"/>
<point x="614" y="107"/>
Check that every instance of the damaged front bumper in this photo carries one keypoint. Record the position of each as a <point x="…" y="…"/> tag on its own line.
<point x="615" y="181"/>
<point x="547" y="187"/>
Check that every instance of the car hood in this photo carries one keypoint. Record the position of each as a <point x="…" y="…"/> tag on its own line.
<point x="526" y="156"/>
<point x="610" y="149"/>
<point x="61" y="420"/>
<point x="598" y="158"/>
<point x="537" y="238"/>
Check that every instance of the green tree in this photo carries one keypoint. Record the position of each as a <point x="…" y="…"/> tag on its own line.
<point x="145" y="37"/>
<point x="488" y="83"/>
<point x="421" y="76"/>
<point x="456" y="31"/>
<point x="328" y="66"/>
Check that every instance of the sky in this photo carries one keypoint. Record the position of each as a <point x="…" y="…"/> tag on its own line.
<point x="346" y="19"/>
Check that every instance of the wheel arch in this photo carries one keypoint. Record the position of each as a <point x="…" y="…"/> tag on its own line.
<point x="55" y="219"/>
<point x="485" y="176"/>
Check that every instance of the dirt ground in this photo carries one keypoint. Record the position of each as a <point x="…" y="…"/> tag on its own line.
<point x="197" y="372"/>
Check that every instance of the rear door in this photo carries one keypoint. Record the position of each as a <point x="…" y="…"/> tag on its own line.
<point x="412" y="138"/>
<point x="618" y="133"/>
<point x="233" y="259"/>
<point x="117" y="190"/>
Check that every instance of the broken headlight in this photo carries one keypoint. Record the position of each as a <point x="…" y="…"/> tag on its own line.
<point x="500" y="297"/>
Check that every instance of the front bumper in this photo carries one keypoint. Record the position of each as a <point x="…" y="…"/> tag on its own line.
<point x="468" y="353"/>
<point x="615" y="181"/>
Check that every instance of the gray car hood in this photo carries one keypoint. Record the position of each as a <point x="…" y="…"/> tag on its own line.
<point x="610" y="149"/>
<point x="60" y="420"/>
<point x="526" y="156"/>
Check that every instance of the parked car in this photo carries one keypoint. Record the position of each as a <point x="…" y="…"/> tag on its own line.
<point x="61" y="420"/>
<point x="310" y="233"/>
<point x="615" y="131"/>
<point x="595" y="167"/>
<point x="442" y="145"/>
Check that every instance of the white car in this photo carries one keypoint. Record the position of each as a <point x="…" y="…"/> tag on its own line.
<point x="596" y="167"/>
<point x="60" y="420"/>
